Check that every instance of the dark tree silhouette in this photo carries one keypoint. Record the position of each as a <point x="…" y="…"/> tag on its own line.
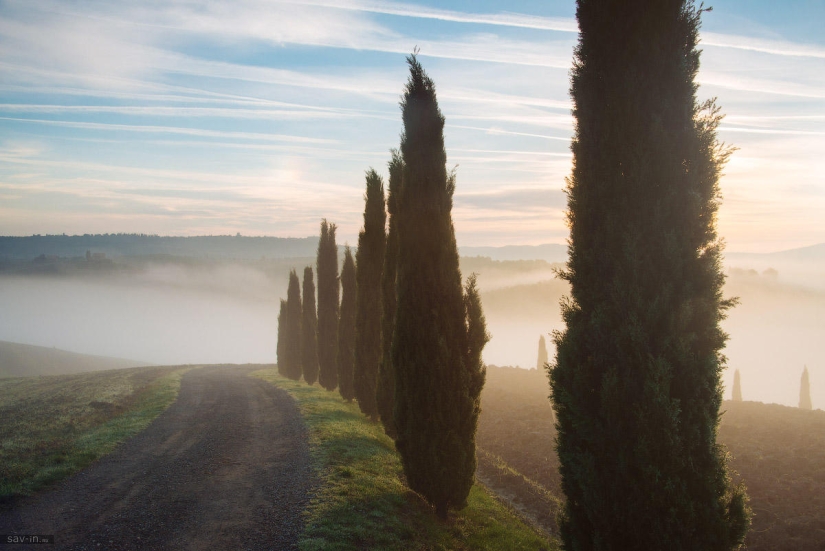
<point x="327" y="270"/>
<point x="369" y="258"/>
<point x="636" y="382"/>
<point x="292" y="368"/>
<point x="309" y="328"/>
<point x="385" y="391"/>
<point x="438" y="380"/>
<point x="736" y="395"/>
<point x="282" y="323"/>
<point x="542" y="359"/>
<point x="346" y="328"/>
<point x="805" y="391"/>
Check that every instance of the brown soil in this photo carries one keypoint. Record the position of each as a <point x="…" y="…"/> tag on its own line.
<point x="778" y="451"/>
<point x="225" y="467"/>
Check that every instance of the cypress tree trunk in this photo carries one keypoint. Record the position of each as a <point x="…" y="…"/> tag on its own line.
<point x="737" y="387"/>
<point x="370" y="260"/>
<point x="292" y="369"/>
<point x="636" y="384"/>
<point x="309" y="338"/>
<point x="542" y="359"/>
<point x="436" y="380"/>
<point x="282" y="323"/>
<point x="805" y="391"/>
<point x="385" y="391"/>
<point x="346" y="328"/>
<point x="327" y="307"/>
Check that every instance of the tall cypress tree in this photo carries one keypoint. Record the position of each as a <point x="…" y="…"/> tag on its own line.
<point x="369" y="257"/>
<point x="327" y="269"/>
<point x="282" y="323"/>
<point x="736" y="395"/>
<point x="542" y="359"/>
<point x="805" y="391"/>
<point x="636" y="382"/>
<point x="385" y="388"/>
<point x="437" y="379"/>
<point x="346" y="328"/>
<point x="292" y="368"/>
<point x="309" y="327"/>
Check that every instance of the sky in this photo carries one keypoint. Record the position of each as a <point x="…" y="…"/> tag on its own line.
<point x="257" y="117"/>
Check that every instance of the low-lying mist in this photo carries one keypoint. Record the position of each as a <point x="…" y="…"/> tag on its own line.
<point x="184" y="312"/>
<point x="169" y="314"/>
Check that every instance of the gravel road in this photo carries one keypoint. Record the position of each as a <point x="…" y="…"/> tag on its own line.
<point x="225" y="467"/>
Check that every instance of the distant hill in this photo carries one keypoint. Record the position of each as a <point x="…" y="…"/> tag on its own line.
<point x="118" y="245"/>
<point x="812" y="254"/>
<point x="24" y="360"/>
<point x="549" y="252"/>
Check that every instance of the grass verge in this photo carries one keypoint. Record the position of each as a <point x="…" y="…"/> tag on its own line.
<point x="361" y="501"/>
<point x="53" y="426"/>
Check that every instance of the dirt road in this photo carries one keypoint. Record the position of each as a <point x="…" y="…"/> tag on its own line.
<point x="225" y="467"/>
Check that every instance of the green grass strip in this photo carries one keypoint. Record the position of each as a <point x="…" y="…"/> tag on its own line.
<point x="361" y="501"/>
<point x="54" y="426"/>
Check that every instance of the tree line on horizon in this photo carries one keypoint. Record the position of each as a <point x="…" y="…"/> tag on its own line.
<point x="406" y="337"/>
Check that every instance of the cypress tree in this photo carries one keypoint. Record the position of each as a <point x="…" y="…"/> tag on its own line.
<point x="805" y="391"/>
<point x="542" y="359"/>
<point x="385" y="391"/>
<point x="737" y="387"/>
<point x="282" y="323"/>
<point x="437" y="379"/>
<point x="346" y="328"/>
<point x="636" y="382"/>
<point x="292" y="367"/>
<point x="369" y="258"/>
<point x="309" y="327"/>
<point x="327" y="269"/>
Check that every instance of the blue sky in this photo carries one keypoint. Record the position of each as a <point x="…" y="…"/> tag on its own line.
<point x="260" y="117"/>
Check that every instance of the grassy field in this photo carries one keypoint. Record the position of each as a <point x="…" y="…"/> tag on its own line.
<point x="361" y="501"/>
<point x="53" y="426"/>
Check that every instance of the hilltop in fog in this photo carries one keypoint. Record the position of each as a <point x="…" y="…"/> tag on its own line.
<point x="215" y="303"/>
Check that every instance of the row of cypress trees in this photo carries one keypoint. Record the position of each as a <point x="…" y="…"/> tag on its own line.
<point x="307" y="338"/>
<point x="408" y="339"/>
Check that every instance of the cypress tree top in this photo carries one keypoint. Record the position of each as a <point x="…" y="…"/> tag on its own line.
<point x="542" y="356"/>
<point x="346" y="328"/>
<point x="282" y="323"/>
<point x="292" y="368"/>
<point x="805" y="391"/>
<point x="437" y="380"/>
<point x="636" y="383"/>
<point x="736" y="394"/>
<point x="309" y="327"/>
<point x="327" y="270"/>
<point x="370" y="262"/>
<point x="385" y="393"/>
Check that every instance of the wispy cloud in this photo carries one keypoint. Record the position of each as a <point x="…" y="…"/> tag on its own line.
<point x="175" y="130"/>
<point x="773" y="47"/>
<point x="561" y="24"/>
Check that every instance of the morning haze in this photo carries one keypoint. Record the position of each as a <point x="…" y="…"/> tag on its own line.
<point x="385" y="275"/>
<point x="216" y="300"/>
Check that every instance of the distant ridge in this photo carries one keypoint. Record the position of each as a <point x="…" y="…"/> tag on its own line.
<point x="243" y="247"/>
<point x="812" y="253"/>
<point x="550" y="252"/>
<point x="25" y="360"/>
<point x="117" y="245"/>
